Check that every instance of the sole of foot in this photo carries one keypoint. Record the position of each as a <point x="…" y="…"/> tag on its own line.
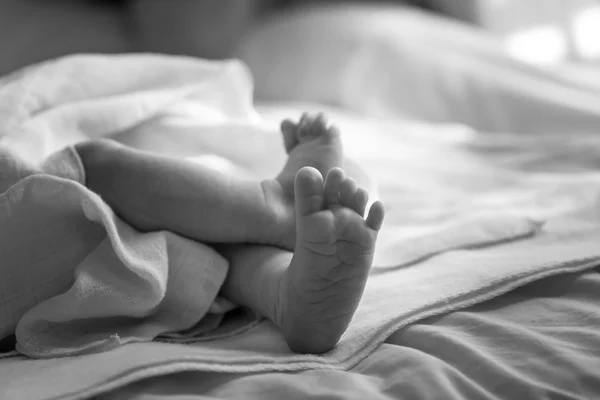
<point x="335" y="245"/>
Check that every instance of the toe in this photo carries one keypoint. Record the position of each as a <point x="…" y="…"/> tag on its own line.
<point x="304" y="125"/>
<point x="347" y="193"/>
<point x="333" y="184"/>
<point x="308" y="191"/>
<point x="332" y="133"/>
<point x="376" y="214"/>
<point x="319" y="126"/>
<point x="303" y="119"/>
<point x="327" y="133"/>
<point x="288" y="129"/>
<point x="321" y="120"/>
<point x="361" y="198"/>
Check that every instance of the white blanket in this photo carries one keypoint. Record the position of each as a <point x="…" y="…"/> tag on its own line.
<point x="190" y="108"/>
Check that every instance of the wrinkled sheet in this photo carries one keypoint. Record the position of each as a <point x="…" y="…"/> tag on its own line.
<point x="539" y="341"/>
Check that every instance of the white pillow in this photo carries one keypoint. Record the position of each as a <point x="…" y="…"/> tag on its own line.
<point x="393" y="61"/>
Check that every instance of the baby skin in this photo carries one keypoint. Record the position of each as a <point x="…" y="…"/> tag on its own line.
<point x="299" y="245"/>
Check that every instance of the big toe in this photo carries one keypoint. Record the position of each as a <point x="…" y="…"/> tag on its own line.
<point x="308" y="191"/>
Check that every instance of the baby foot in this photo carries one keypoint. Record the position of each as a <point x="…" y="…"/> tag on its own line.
<point x="324" y="282"/>
<point x="310" y="143"/>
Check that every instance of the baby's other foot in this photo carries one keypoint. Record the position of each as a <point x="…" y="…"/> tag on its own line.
<point x="310" y="143"/>
<point x="324" y="283"/>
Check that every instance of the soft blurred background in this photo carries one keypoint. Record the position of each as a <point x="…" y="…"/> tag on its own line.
<point x="433" y="60"/>
<point x="542" y="32"/>
<point x="538" y="31"/>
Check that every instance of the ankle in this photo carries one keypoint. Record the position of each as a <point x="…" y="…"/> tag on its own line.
<point x="256" y="277"/>
<point x="282" y="233"/>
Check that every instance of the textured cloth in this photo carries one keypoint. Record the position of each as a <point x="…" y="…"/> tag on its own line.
<point x="75" y="278"/>
<point x="540" y="341"/>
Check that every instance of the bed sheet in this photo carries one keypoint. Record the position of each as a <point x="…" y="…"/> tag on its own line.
<point x="539" y="341"/>
<point x="527" y="344"/>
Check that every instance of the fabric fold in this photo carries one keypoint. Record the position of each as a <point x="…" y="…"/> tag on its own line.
<point x="127" y="286"/>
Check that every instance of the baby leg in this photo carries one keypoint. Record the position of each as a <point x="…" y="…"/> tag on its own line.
<point x="153" y="192"/>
